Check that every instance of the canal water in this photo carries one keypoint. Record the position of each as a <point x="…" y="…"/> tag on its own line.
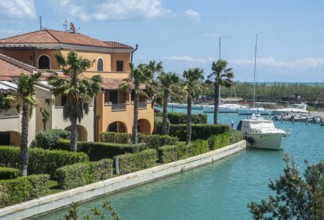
<point x="220" y="190"/>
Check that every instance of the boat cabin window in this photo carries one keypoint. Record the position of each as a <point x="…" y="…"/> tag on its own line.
<point x="239" y="126"/>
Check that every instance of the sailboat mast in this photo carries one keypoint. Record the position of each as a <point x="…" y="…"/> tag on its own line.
<point x="254" y="72"/>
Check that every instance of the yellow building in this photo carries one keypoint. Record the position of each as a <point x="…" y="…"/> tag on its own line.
<point x="112" y="109"/>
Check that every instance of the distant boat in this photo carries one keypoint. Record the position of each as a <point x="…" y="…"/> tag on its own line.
<point x="293" y="108"/>
<point x="184" y="105"/>
<point x="223" y="108"/>
<point x="261" y="133"/>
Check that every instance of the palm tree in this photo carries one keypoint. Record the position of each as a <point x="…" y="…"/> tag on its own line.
<point x="222" y="76"/>
<point x="26" y="101"/>
<point x="138" y="76"/>
<point x="150" y="70"/>
<point x="78" y="90"/>
<point x="168" y="85"/>
<point x="192" y="84"/>
<point x="5" y="101"/>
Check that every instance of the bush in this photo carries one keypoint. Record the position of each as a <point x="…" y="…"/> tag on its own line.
<point x="133" y="162"/>
<point x="176" y="152"/>
<point x="101" y="150"/>
<point x="158" y="124"/>
<point x="22" y="188"/>
<point x="199" y="131"/>
<point x="114" y="137"/>
<point x="80" y="174"/>
<point x="199" y="147"/>
<point x="219" y="141"/>
<point x="9" y="156"/>
<point x="8" y="173"/>
<point x="236" y="136"/>
<point x="181" y="118"/>
<point x="48" y="139"/>
<point x="156" y="141"/>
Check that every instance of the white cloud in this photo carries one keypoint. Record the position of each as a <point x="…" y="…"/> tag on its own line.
<point x="309" y="62"/>
<point x="113" y="10"/>
<point x="189" y="59"/>
<point x="194" y="15"/>
<point x="18" y="9"/>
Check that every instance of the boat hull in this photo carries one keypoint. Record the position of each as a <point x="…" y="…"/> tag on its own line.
<point x="270" y="141"/>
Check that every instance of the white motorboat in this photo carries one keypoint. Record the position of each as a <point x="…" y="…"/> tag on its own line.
<point x="223" y="108"/>
<point x="261" y="133"/>
<point x="294" y="108"/>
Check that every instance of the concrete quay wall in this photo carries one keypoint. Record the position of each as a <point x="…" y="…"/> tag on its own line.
<point x="56" y="201"/>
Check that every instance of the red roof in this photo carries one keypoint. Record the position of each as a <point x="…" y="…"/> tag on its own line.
<point x="113" y="84"/>
<point x="59" y="37"/>
<point x="11" y="68"/>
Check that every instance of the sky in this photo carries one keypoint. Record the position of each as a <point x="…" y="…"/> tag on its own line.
<point x="183" y="34"/>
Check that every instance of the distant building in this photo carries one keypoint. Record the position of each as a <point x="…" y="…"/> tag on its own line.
<point x="112" y="109"/>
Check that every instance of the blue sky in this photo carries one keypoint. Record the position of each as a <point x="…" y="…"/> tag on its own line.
<point x="185" y="33"/>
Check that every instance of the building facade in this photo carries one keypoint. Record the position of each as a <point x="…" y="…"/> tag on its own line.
<point x="111" y="110"/>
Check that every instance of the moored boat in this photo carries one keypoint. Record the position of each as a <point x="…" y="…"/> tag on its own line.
<point x="261" y="133"/>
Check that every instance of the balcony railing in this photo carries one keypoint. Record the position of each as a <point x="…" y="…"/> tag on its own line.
<point x="118" y="107"/>
<point x="142" y="105"/>
<point x="11" y="113"/>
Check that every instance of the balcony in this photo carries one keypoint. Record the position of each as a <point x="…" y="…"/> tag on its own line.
<point x="142" y="105"/>
<point x="11" y="113"/>
<point x="118" y="107"/>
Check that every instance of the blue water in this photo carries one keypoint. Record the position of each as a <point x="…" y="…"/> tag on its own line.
<point x="220" y="190"/>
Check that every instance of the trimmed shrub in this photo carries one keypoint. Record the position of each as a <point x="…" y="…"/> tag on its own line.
<point x="9" y="156"/>
<point x="80" y="174"/>
<point x="156" y="141"/>
<point x="72" y="176"/>
<point x="101" y="150"/>
<point x="22" y="189"/>
<point x="176" y="152"/>
<point x="181" y="118"/>
<point x="48" y="139"/>
<point x="8" y="173"/>
<point x="199" y="131"/>
<point x="47" y="161"/>
<point x="115" y="137"/>
<point x="158" y="124"/>
<point x="199" y="147"/>
<point x="133" y="162"/>
<point x="236" y="136"/>
<point x="219" y="141"/>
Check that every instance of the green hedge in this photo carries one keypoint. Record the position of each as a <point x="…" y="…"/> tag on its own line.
<point x="219" y="141"/>
<point x="9" y="156"/>
<point x="8" y="173"/>
<point x="101" y="150"/>
<point x="40" y="160"/>
<point x="199" y="131"/>
<point x="17" y="190"/>
<point x="158" y="124"/>
<point x="48" y="139"/>
<point x="156" y="141"/>
<point x="115" y="137"/>
<point x="133" y="162"/>
<point x="199" y="147"/>
<point x="176" y="152"/>
<point x="236" y="136"/>
<point x="181" y="118"/>
<point x="80" y="174"/>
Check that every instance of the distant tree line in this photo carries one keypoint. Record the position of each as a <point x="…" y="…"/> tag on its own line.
<point x="275" y="92"/>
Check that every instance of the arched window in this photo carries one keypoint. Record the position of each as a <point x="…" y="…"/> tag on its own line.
<point x="100" y="65"/>
<point x="43" y="62"/>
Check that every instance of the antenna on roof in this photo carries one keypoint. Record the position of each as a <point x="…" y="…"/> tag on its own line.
<point x="72" y="28"/>
<point x="40" y="23"/>
<point x="65" y="24"/>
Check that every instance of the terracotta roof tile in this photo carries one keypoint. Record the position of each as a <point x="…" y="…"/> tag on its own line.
<point x="59" y="37"/>
<point x="114" y="84"/>
<point x="11" y="68"/>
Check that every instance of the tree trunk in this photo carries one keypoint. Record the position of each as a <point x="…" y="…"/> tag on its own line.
<point x="216" y="103"/>
<point x="74" y="135"/>
<point x="23" y="157"/>
<point x="189" y="128"/>
<point x="135" y="122"/>
<point x="165" y="117"/>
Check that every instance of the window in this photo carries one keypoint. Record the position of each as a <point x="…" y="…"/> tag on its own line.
<point x="43" y="62"/>
<point x="120" y="65"/>
<point x="100" y="65"/>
